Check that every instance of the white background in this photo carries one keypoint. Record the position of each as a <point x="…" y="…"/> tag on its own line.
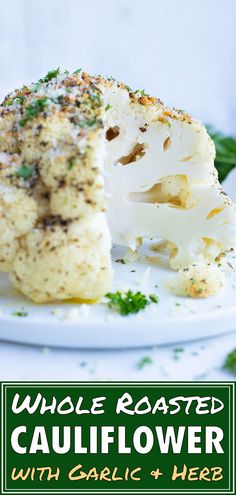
<point x="182" y="51"/>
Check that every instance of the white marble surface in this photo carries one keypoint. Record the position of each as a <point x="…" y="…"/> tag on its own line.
<point x="201" y="360"/>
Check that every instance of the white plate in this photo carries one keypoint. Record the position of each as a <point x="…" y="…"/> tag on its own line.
<point x="173" y="319"/>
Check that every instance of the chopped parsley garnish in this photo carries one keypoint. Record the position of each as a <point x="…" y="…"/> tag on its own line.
<point x="153" y="298"/>
<point x="129" y="302"/>
<point x="7" y="102"/>
<point x="21" y="313"/>
<point x="17" y="99"/>
<point x="145" y="361"/>
<point x="50" y="75"/>
<point x="77" y="71"/>
<point x="230" y="362"/>
<point x="177" y="353"/>
<point x="71" y="164"/>
<point x="108" y="107"/>
<point x="127" y="87"/>
<point x="120" y="260"/>
<point x="36" y="87"/>
<point x="25" y="171"/>
<point x="91" y="122"/>
<point x="20" y="99"/>
<point x="34" y="110"/>
<point x="141" y="92"/>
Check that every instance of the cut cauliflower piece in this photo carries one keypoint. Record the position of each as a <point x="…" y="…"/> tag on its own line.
<point x="197" y="281"/>
<point x="162" y="182"/>
<point x="86" y="155"/>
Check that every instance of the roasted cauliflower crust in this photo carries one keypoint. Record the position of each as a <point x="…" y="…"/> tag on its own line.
<point x="60" y="140"/>
<point x="197" y="281"/>
<point x="54" y="239"/>
<point x="65" y="261"/>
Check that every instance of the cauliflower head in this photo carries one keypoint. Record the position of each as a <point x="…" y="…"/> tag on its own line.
<point x="85" y="159"/>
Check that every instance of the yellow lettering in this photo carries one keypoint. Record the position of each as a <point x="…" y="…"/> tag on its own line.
<point x="217" y="473"/>
<point x="181" y="475"/>
<point x="132" y="474"/>
<point x="203" y="474"/>
<point x="15" y="476"/>
<point x="114" y="477"/>
<point x="73" y="471"/>
<point x="104" y="474"/>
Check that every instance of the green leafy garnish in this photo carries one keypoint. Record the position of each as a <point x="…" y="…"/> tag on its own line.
<point x="108" y="107"/>
<point x="153" y="298"/>
<point x="225" y="146"/>
<point x="129" y="302"/>
<point x="230" y="362"/>
<point x="50" y="75"/>
<point x="25" y="171"/>
<point x="77" y="71"/>
<point x="7" y="102"/>
<point x="141" y="92"/>
<point x="34" y="110"/>
<point x="91" y="122"/>
<point x="20" y="99"/>
<point x="120" y="260"/>
<point x="71" y="164"/>
<point x="145" y="361"/>
<point x="20" y="313"/>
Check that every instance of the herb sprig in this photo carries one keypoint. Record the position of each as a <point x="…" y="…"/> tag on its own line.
<point x="145" y="361"/>
<point x="21" y="313"/>
<point x="129" y="302"/>
<point x="225" y="146"/>
<point x="50" y="75"/>
<point x="25" y="171"/>
<point x="230" y="362"/>
<point x="33" y="110"/>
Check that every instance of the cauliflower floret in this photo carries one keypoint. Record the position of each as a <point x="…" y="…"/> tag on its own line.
<point x="62" y="260"/>
<point x="18" y="214"/>
<point x="197" y="281"/>
<point x="7" y="254"/>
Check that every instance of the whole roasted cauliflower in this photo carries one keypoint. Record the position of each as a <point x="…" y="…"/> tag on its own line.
<point x="85" y="159"/>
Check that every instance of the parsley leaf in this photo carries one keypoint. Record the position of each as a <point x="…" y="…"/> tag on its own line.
<point x="129" y="302"/>
<point x="33" y="110"/>
<point x="77" y="71"/>
<point x="50" y="75"/>
<point x="20" y="99"/>
<point x="25" y="171"/>
<point x="20" y="312"/>
<point x="230" y="362"/>
<point x="108" y="107"/>
<point x="225" y="146"/>
<point x="146" y="360"/>
<point x="71" y="164"/>
<point x="7" y="102"/>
